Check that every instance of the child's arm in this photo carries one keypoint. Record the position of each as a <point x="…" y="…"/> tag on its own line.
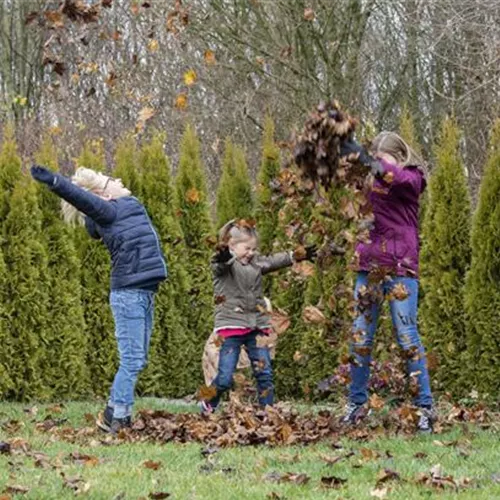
<point x="222" y="261"/>
<point x="270" y="263"/>
<point x="100" y="211"/>
<point x="407" y="180"/>
<point x="280" y="260"/>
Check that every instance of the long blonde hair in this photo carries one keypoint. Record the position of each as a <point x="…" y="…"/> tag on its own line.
<point x="393" y="144"/>
<point x="87" y="179"/>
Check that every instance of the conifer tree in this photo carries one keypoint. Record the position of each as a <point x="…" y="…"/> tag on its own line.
<point x="194" y="217"/>
<point x="64" y="367"/>
<point x="10" y="170"/>
<point x="323" y="343"/>
<point x="234" y="194"/>
<point x="445" y="258"/>
<point x="171" y="358"/>
<point x="268" y="202"/>
<point x="26" y="303"/>
<point x="127" y="165"/>
<point x="6" y="383"/>
<point x="95" y="270"/>
<point x="482" y="289"/>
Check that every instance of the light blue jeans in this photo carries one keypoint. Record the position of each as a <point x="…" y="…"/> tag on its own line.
<point x="133" y="314"/>
<point x="404" y="319"/>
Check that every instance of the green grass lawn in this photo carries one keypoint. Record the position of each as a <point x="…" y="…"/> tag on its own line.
<point x="118" y="471"/>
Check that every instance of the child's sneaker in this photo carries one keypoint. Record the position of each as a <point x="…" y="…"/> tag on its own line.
<point x="426" y="420"/>
<point x="353" y="413"/>
<point x="206" y="408"/>
<point x="104" y="422"/>
<point x="117" y="424"/>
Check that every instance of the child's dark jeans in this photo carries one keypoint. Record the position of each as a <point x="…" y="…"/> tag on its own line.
<point x="260" y="360"/>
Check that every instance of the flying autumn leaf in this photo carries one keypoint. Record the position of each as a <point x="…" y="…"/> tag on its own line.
<point x="209" y="57"/>
<point x="190" y="77"/>
<point x="280" y="321"/>
<point x="193" y="196"/>
<point x="153" y="45"/>
<point x="309" y="14"/>
<point x="181" y="101"/>
<point x="312" y="314"/>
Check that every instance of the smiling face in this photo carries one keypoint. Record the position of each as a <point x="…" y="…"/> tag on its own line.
<point x="243" y="249"/>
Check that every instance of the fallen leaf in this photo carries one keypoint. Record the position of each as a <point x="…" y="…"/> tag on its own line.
<point x="206" y="393"/>
<point x="280" y="321"/>
<point x="150" y="464"/>
<point x="333" y="482"/>
<point x="376" y="402"/>
<point x="160" y="495"/>
<point x="387" y="475"/>
<point x="379" y="492"/>
<point x="16" y="489"/>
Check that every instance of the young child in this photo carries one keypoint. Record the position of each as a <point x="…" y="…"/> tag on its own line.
<point x="400" y="179"/>
<point x="112" y="215"/>
<point x="240" y="314"/>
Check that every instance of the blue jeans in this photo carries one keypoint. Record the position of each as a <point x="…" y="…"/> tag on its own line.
<point x="133" y="314"/>
<point x="404" y="319"/>
<point x="260" y="359"/>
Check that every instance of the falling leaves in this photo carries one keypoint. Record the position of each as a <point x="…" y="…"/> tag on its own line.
<point x="193" y="196"/>
<point x="181" y="101"/>
<point x="153" y="45"/>
<point x="280" y="321"/>
<point x="309" y="14"/>
<point x="190" y="77"/>
<point x="144" y="115"/>
<point x="209" y="57"/>
<point x="206" y="393"/>
<point x="313" y="315"/>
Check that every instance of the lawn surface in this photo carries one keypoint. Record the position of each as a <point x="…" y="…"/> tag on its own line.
<point x="43" y="465"/>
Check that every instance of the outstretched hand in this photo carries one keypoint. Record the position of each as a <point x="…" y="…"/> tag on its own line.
<point x="350" y="147"/>
<point x="305" y="253"/>
<point x="223" y="255"/>
<point x="42" y="174"/>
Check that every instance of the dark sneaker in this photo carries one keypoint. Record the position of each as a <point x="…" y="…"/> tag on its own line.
<point x="117" y="424"/>
<point x="104" y="422"/>
<point x="206" y="408"/>
<point x="353" y="413"/>
<point x="426" y="420"/>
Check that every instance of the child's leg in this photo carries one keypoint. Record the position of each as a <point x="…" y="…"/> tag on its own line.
<point x="228" y="359"/>
<point x="404" y="318"/>
<point x="132" y="312"/>
<point x="363" y="334"/>
<point x="260" y="359"/>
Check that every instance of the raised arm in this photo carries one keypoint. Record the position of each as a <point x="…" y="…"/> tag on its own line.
<point x="100" y="211"/>
<point x="222" y="261"/>
<point x="270" y="263"/>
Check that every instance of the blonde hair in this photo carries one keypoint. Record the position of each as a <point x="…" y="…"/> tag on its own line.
<point x="87" y="179"/>
<point x="393" y="144"/>
<point x="236" y="231"/>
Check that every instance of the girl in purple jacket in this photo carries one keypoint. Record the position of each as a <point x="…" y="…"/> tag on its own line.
<point x="400" y="179"/>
